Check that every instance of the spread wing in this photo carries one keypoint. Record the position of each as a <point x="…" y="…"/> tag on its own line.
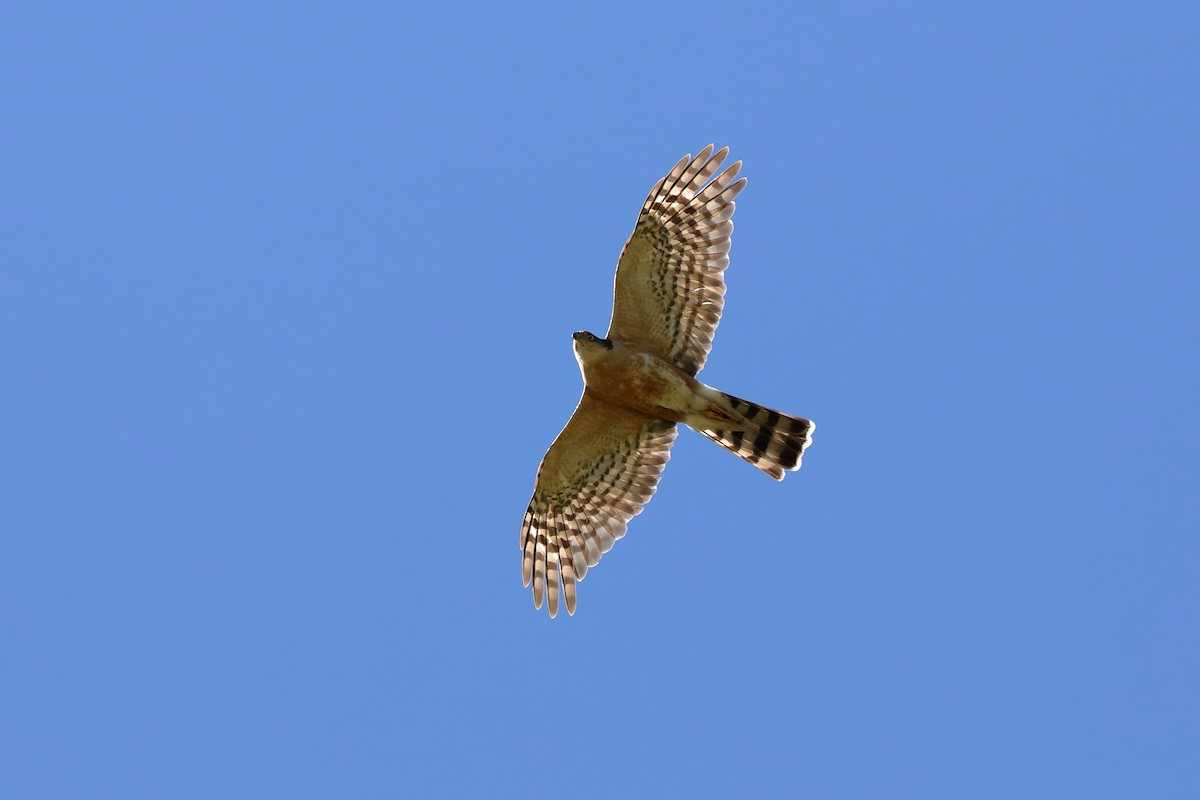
<point x="598" y="474"/>
<point x="670" y="288"/>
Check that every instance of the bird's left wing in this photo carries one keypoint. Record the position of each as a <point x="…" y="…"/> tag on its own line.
<point x="670" y="288"/>
<point x="600" y="471"/>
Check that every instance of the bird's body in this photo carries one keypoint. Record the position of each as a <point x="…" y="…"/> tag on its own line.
<point x="625" y="375"/>
<point x="639" y="383"/>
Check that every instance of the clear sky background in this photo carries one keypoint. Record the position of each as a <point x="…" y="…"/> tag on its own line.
<point x="285" y="322"/>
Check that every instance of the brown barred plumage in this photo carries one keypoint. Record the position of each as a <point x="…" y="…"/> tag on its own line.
<point x="770" y="440"/>
<point x="639" y="382"/>
<point x="581" y="506"/>
<point x="670" y="284"/>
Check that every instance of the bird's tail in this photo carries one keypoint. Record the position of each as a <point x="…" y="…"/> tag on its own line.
<point x="768" y="439"/>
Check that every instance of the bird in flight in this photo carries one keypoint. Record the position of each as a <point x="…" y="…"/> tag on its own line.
<point x="640" y="382"/>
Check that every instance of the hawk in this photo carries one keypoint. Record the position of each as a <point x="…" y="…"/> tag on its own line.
<point x="640" y="382"/>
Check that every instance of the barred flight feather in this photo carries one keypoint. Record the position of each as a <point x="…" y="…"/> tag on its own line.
<point x="679" y="249"/>
<point x="580" y="507"/>
<point x="770" y="440"/>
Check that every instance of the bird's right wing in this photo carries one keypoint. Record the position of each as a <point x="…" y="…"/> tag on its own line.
<point x="600" y="471"/>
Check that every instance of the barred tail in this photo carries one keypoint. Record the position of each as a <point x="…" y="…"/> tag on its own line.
<point x="772" y="441"/>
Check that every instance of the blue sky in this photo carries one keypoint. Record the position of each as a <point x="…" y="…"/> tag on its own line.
<point x="285" y="330"/>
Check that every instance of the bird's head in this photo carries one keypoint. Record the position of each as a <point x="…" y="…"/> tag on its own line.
<point x="588" y="345"/>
